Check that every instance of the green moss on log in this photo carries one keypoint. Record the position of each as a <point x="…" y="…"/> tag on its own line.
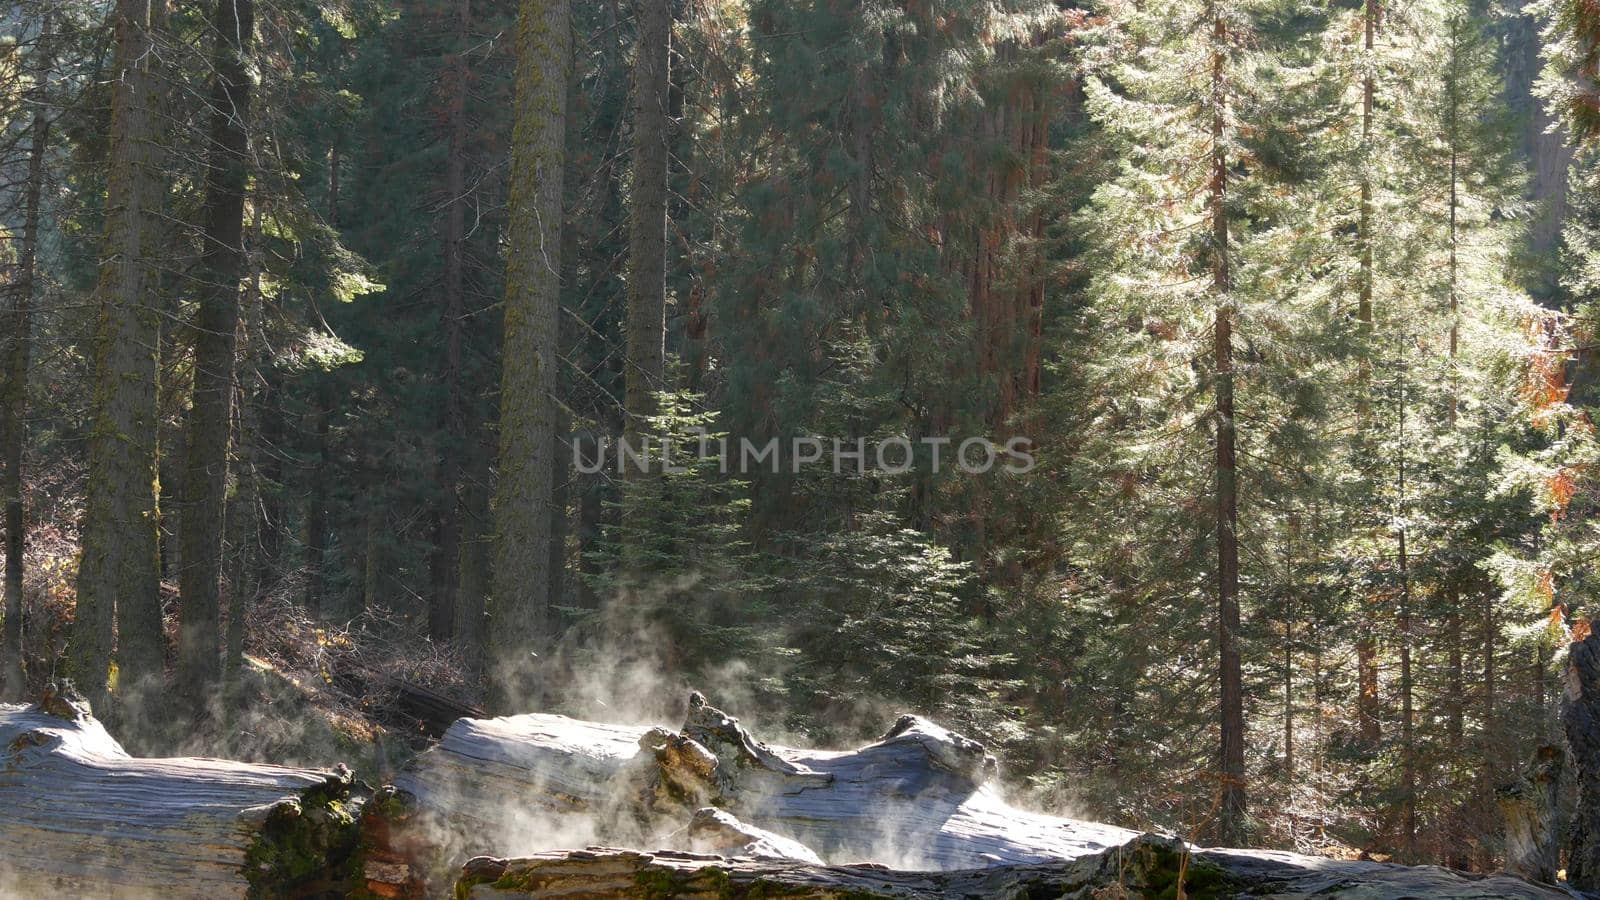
<point x="309" y="847"/>
<point x="1158" y="866"/>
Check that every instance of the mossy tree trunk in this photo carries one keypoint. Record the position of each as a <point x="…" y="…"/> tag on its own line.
<point x="119" y="604"/>
<point x="518" y="603"/>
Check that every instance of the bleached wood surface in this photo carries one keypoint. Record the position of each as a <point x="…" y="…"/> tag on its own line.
<point x="1146" y="867"/>
<point x="919" y="798"/>
<point x="79" y="817"/>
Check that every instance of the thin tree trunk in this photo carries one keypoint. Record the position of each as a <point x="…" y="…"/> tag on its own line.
<point x="13" y="423"/>
<point x="647" y="226"/>
<point x="317" y="502"/>
<point x="447" y="564"/>
<point x="1367" y="703"/>
<point x="604" y="261"/>
<point x="519" y="602"/>
<point x="1408" y="748"/>
<point x="244" y="524"/>
<point x="222" y="265"/>
<point x="1456" y="703"/>
<point x="1232" y="811"/>
<point x="271" y="520"/>
<point x="473" y="577"/>
<point x="118" y="575"/>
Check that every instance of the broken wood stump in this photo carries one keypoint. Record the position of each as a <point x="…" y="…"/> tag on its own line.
<point x="1531" y="807"/>
<point x="79" y="817"/>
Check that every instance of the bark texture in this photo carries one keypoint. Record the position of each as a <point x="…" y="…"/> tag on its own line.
<point x="14" y="389"/>
<point x="1532" y="811"/>
<point x="647" y="226"/>
<point x="118" y="603"/>
<point x="452" y="323"/>
<point x="216" y="324"/>
<point x="517" y="605"/>
<point x="1580" y="711"/>
<point x="1148" y="866"/>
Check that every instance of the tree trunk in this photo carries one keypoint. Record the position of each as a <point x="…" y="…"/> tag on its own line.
<point x="518" y="603"/>
<point x="1548" y="151"/>
<point x="647" y="225"/>
<point x="1580" y="711"/>
<point x="118" y="600"/>
<point x="317" y="502"/>
<point x="243" y="524"/>
<point x="910" y="815"/>
<point x="1367" y="701"/>
<point x="14" y="399"/>
<point x="447" y="564"/>
<point x="216" y="326"/>
<point x="473" y="574"/>
<point x="1230" y="821"/>
<point x="1408" y="748"/>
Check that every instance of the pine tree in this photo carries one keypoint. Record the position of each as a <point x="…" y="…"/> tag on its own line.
<point x="1169" y="289"/>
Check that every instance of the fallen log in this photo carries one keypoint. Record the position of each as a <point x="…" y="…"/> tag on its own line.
<point x="79" y="817"/>
<point x="433" y="711"/>
<point x="1146" y="867"/>
<point x="920" y="797"/>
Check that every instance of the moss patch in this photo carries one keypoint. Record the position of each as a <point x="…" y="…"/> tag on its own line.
<point x="309" y="848"/>
<point x="1159" y="865"/>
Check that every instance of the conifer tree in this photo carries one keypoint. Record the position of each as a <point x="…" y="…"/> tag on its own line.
<point x="518" y="613"/>
<point x="216" y="323"/>
<point x="1169" y="287"/>
<point x="22" y="279"/>
<point x="119" y="606"/>
<point x="647" y="219"/>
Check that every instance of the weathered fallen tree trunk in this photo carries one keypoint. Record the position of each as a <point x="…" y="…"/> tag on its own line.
<point x="79" y="817"/>
<point x="919" y="798"/>
<point x="1147" y="866"/>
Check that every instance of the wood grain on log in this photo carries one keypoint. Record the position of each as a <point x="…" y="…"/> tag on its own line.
<point x="79" y="817"/>
<point x="919" y="798"/>
<point x="1145" y="867"/>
